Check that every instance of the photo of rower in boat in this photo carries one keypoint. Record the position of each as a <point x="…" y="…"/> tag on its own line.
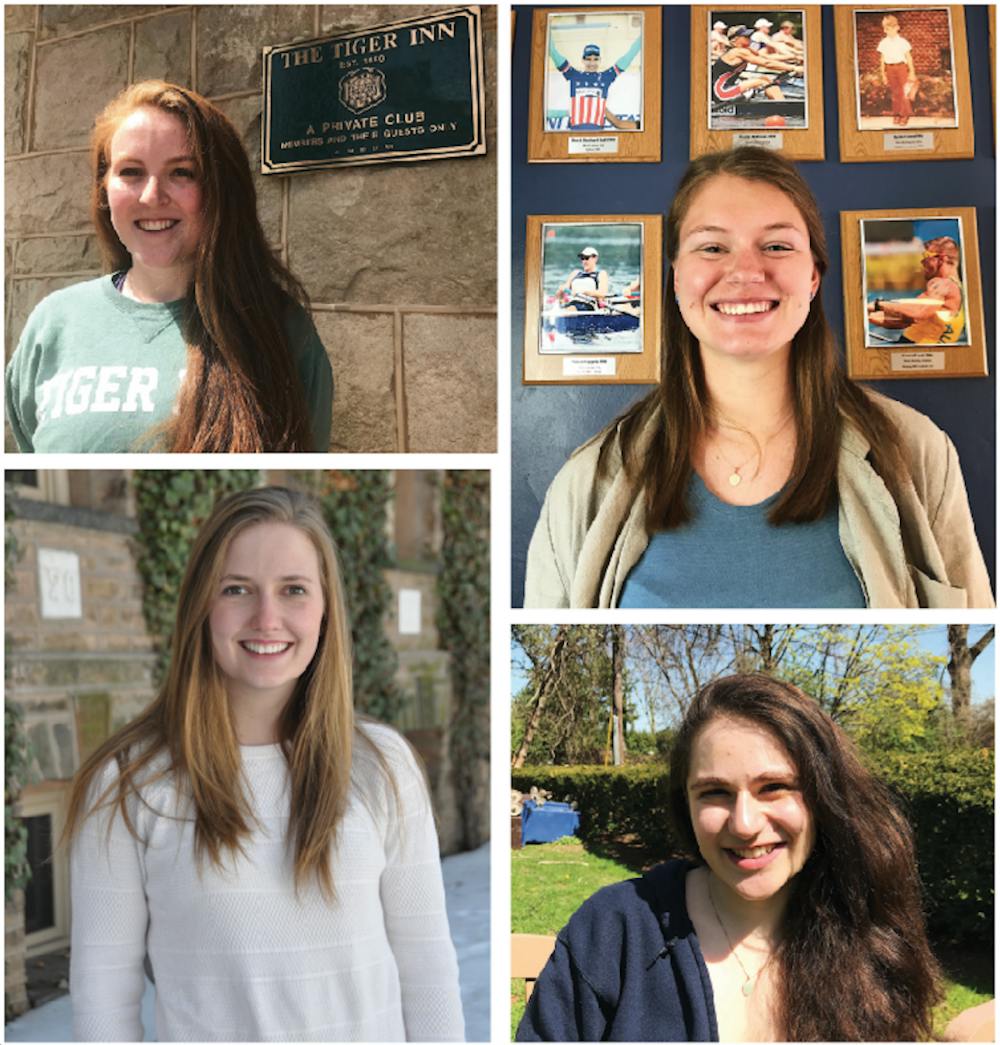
<point x="591" y="287"/>
<point x="593" y="73"/>
<point x="757" y="70"/>
<point x="903" y="68"/>
<point x="913" y="282"/>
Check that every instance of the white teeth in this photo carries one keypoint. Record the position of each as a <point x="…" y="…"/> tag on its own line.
<point x="156" y="226"/>
<point x="753" y="854"/>
<point x="265" y="647"/>
<point x="742" y="308"/>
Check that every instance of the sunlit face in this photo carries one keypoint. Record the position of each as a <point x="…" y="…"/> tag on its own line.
<point x="744" y="273"/>
<point x="750" y="821"/>
<point x="267" y="613"/>
<point x="154" y="190"/>
<point x="589" y="262"/>
<point x="935" y="262"/>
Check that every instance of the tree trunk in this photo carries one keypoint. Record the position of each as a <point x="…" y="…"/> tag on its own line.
<point x="767" y="649"/>
<point x="963" y="656"/>
<point x="617" y="670"/>
<point x="550" y="677"/>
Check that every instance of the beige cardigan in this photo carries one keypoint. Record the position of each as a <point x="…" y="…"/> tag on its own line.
<point x="591" y="532"/>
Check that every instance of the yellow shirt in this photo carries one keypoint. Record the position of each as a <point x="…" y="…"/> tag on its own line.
<point x="943" y="328"/>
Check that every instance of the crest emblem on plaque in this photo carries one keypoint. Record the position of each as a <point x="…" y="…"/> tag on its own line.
<point x="361" y="89"/>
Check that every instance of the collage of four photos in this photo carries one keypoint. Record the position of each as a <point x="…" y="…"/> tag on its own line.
<point x="415" y="411"/>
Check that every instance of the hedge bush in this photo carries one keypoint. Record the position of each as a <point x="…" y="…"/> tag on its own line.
<point x="948" y="798"/>
<point x="949" y="801"/>
<point x="612" y="801"/>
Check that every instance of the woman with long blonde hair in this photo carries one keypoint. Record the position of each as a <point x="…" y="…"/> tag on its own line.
<point x="274" y="858"/>
<point x="198" y="339"/>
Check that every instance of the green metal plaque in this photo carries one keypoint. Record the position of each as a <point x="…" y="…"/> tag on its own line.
<point x="412" y="90"/>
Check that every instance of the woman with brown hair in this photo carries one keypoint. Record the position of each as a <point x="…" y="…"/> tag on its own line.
<point x="271" y="856"/>
<point x="799" y="918"/>
<point x="198" y="340"/>
<point x="756" y="474"/>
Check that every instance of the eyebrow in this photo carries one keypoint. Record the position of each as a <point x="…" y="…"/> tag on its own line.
<point x="773" y="227"/>
<point x="173" y="159"/>
<point x="762" y="778"/>
<point x="287" y="577"/>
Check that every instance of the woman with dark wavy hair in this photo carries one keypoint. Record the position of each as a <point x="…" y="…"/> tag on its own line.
<point x="198" y="340"/>
<point x="270" y="855"/>
<point x="799" y="918"/>
<point x="756" y="474"/>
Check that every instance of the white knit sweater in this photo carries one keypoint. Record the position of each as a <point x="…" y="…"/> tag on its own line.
<point x="235" y="954"/>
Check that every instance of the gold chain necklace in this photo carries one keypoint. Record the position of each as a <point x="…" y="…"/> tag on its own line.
<point x="734" y="470"/>
<point x="750" y="981"/>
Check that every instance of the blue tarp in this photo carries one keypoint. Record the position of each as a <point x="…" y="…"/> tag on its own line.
<point x="553" y="820"/>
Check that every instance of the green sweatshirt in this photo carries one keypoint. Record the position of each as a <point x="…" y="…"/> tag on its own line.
<point x="94" y="371"/>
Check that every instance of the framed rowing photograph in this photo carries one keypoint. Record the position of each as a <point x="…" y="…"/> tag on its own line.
<point x="913" y="293"/>
<point x="903" y="83"/>
<point x="595" y="85"/>
<point x="593" y="286"/>
<point x="757" y="79"/>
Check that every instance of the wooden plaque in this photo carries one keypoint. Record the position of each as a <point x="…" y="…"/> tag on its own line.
<point x="883" y="252"/>
<point x="940" y="127"/>
<point x="571" y="120"/>
<point x="792" y="124"/>
<point x="573" y="338"/>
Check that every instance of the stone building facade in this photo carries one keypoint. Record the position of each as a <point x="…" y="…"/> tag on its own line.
<point x="80" y="662"/>
<point x="399" y="260"/>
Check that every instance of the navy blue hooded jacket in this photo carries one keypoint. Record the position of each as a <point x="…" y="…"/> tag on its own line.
<point x="627" y="967"/>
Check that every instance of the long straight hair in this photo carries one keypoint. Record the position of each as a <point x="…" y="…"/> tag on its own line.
<point x="241" y="391"/>
<point x="190" y="720"/>
<point x="679" y="409"/>
<point x="855" y="914"/>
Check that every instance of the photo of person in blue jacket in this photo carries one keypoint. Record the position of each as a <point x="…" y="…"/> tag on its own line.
<point x="798" y="918"/>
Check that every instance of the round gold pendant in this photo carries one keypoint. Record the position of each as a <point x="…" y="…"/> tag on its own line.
<point x="735" y="479"/>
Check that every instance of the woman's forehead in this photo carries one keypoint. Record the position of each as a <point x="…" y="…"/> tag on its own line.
<point x="149" y="126"/>
<point x="729" y="201"/>
<point x="740" y="743"/>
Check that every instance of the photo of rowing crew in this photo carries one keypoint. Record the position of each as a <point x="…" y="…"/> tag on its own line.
<point x="757" y="70"/>
<point x="591" y="287"/>
<point x="913" y="282"/>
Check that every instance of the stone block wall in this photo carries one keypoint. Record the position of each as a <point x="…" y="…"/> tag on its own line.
<point x="398" y="259"/>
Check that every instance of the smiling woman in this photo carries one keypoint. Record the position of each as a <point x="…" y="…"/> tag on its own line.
<point x="198" y="339"/>
<point x="273" y="856"/>
<point x="798" y="919"/>
<point x="756" y="474"/>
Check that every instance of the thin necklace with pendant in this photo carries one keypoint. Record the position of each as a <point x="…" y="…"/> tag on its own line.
<point x="750" y="981"/>
<point x="734" y="474"/>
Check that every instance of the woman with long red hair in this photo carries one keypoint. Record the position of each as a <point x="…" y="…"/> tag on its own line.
<point x="197" y="339"/>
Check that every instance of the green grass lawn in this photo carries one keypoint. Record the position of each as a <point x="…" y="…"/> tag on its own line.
<point x="968" y="981"/>
<point x="549" y="882"/>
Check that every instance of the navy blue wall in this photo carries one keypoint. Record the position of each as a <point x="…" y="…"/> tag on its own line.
<point x="547" y="423"/>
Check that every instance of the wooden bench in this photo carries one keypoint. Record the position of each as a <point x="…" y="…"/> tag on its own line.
<point x="528" y="955"/>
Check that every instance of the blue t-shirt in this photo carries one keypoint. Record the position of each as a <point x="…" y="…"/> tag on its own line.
<point x="730" y="556"/>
